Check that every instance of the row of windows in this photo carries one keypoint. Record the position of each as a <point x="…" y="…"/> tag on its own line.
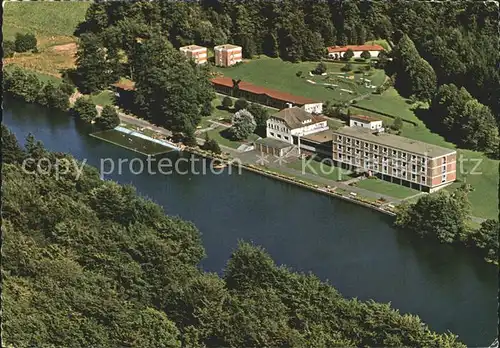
<point x="385" y="170"/>
<point x="385" y="150"/>
<point x="279" y="136"/>
<point x="278" y="128"/>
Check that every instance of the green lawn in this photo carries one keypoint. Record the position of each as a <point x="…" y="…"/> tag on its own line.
<point x="104" y="98"/>
<point x="386" y="188"/>
<point x="220" y="135"/>
<point x="52" y="22"/>
<point x="323" y="169"/>
<point x="277" y="74"/>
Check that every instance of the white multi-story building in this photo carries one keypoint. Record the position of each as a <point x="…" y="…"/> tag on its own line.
<point x="405" y="161"/>
<point x="291" y="123"/>
<point x="365" y="122"/>
<point x="195" y="52"/>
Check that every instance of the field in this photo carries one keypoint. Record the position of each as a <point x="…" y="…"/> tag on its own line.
<point x="53" y="24"/>
<point x="277" y="74"/>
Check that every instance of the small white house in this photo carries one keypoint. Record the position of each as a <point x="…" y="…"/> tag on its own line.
<point x="313" y="108"/>
<point x="293" y="122"/>
<point x="365" y="122"/>
<point x="337" y="52"/>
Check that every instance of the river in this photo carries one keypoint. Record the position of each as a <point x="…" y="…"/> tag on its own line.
<point x="352" y="247"/>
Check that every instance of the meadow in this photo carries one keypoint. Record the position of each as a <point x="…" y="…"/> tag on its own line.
<point x="277" y="74"/>
<point x="53" y="24"/>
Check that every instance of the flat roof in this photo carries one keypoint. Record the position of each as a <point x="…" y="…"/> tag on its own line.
<point x="395" y="141"/>
<point x="320" y="137"/>
<point x="274" y="143"/>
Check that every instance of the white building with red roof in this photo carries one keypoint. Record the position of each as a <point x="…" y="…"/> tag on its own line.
<point x="337" y="52"/>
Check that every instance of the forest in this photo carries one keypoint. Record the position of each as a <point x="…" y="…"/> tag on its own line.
<point x="88" y="262"/>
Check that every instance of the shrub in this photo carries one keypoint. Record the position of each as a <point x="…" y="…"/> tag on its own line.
<point x="25" y="42"/>
<point x="227" y="102"/>
<point x="9" y="47"/>
<point x="320" y="68"/>
<point x="365" y="55"/>
<point x="240" y="104"/>
<point x="211" y="145"/>
<point x="347" y="67"/>
<point x="348" y="54"/>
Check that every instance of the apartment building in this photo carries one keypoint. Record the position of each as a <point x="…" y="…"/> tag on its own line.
<point x="397" y="159"/>
<point x="227" y="55"/>
<point x="197" y="53"/>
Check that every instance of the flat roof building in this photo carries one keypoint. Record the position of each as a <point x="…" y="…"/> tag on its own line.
<point x="405" y="161"/>
<point x="195" y="52"/>
<point x="227" y="55"/>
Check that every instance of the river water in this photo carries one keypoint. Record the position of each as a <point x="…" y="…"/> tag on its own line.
<point x="352" y="247"/>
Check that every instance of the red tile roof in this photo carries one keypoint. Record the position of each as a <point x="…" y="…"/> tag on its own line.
<point x="363" y="118"/>
<point x="248" y="87"/>
<point x="333" y="49"/>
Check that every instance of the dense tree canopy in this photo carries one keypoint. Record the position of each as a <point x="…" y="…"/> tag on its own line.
<point x="170" y="90"/>
<point x="446" y="216"/>
<point x="243" y="125"/>
<point x="30" y="88"/>
<point x="90" y="263"/>
<point x="464" y="120"/>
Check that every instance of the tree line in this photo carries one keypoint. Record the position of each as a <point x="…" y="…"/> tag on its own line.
<point x="446" y="217"/>
<point x="453" y="112"/>
<point x="91" y="263"/>
<point x="22" y="43"/>
<point x="30" y="88"/>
